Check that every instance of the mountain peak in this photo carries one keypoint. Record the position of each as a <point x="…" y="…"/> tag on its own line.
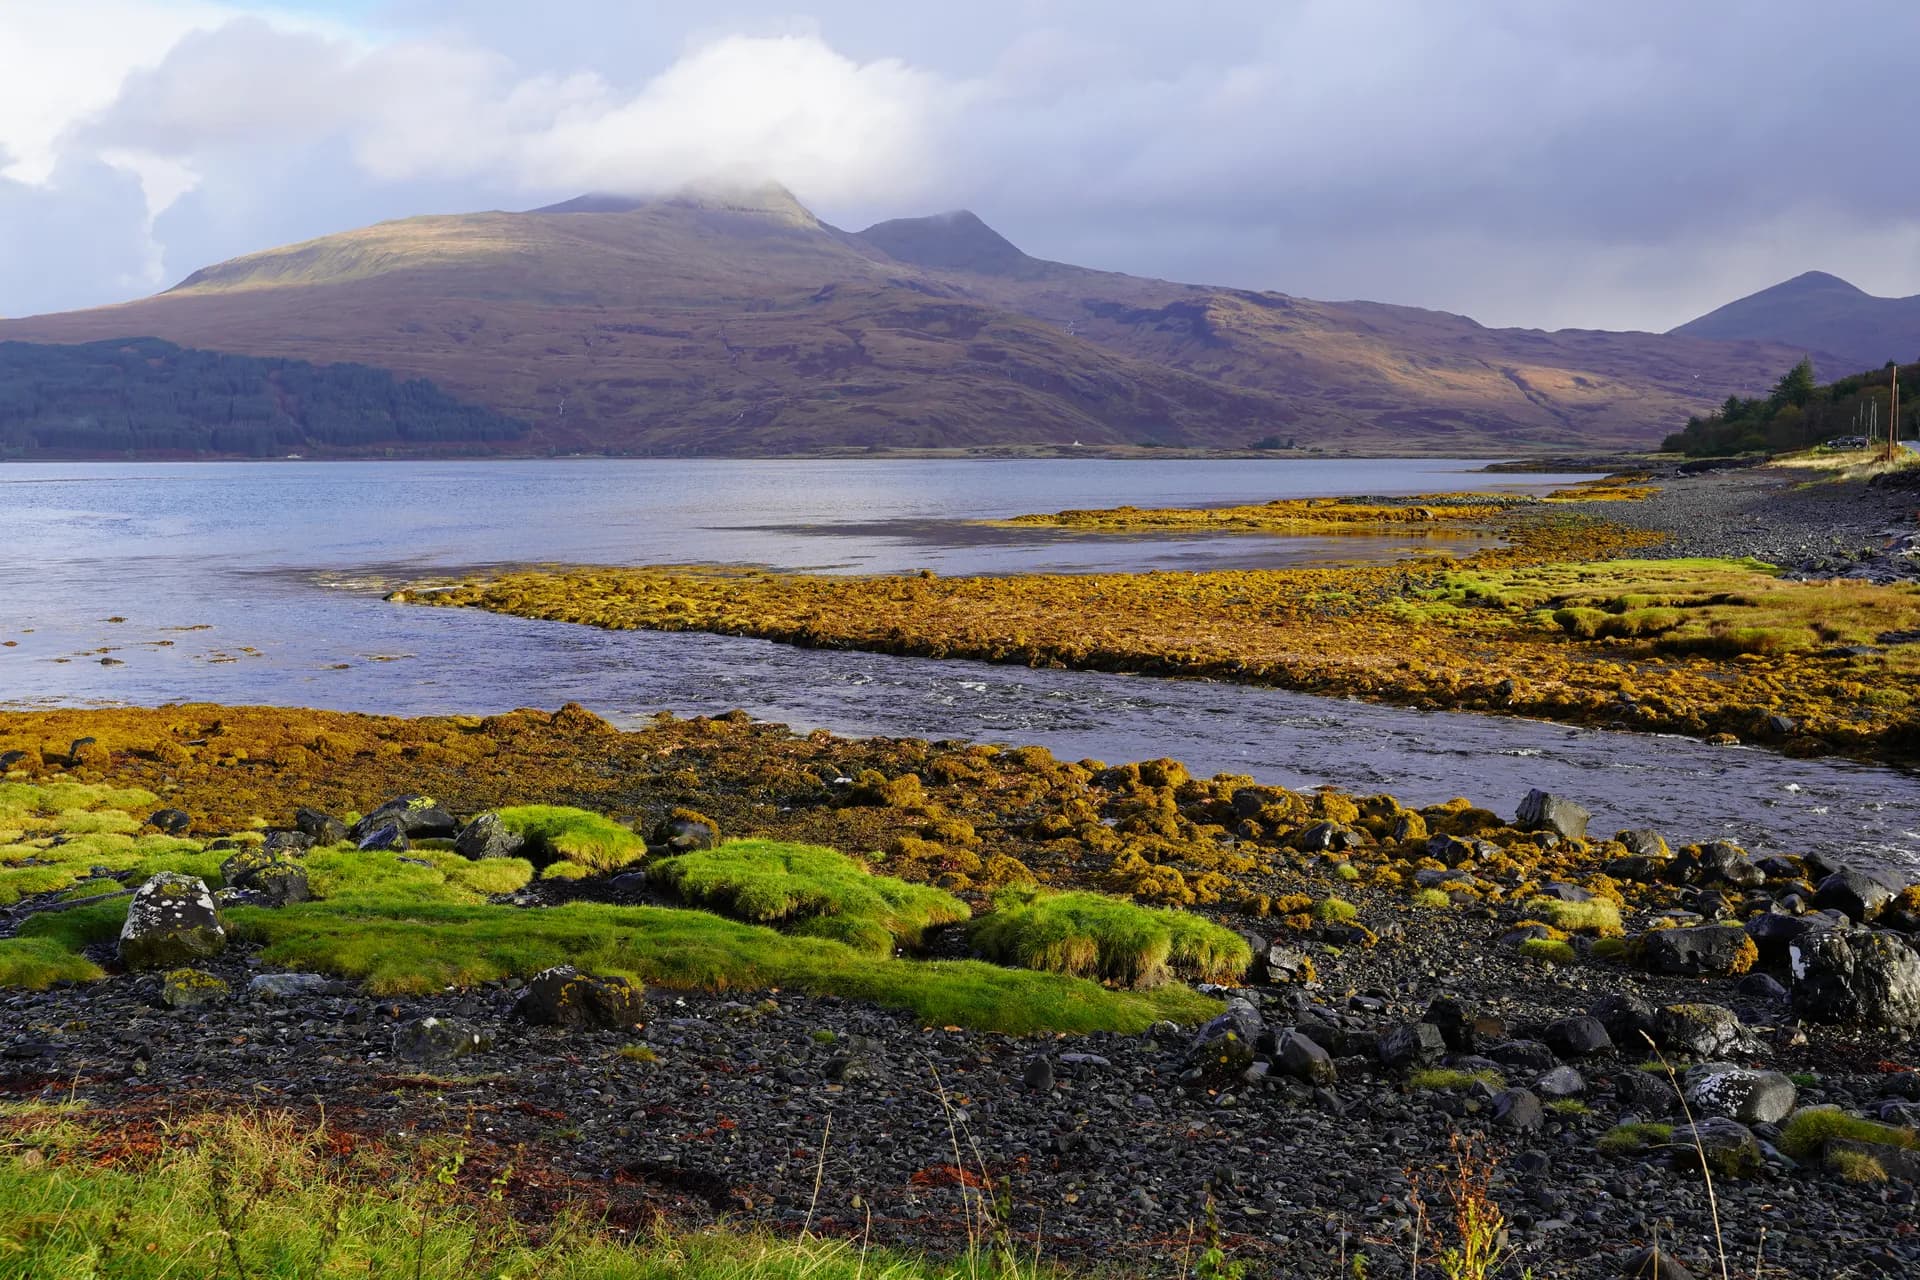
<point x="1817" y="281"/>
<point x="954" y="241"/>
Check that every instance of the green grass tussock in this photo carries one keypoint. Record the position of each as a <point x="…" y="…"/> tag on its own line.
<point x="1442" y="1078"/>
<point x="555" y="833"/>
<point x="1550" y="950"/>
<point x="347" y="876"/>
<point x="37" y="963"/>
<point x="1597" y="916"/>
<point x="1807" y="1131"/>
<point x="296" y="1212"/>
<point x="1093" y="935"/>
<point x="426" y="946"/>
<point x="1629" y="1139"/>
<point x="815" y="891"/>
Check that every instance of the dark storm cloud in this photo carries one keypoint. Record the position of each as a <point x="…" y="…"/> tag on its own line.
<point x="1524" y="161"/>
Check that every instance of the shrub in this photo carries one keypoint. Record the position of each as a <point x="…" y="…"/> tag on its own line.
<point x="815" y="891"/>
<point x="1093" y="935"/>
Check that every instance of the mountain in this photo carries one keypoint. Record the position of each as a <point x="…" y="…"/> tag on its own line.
<point x="1817" y="312"/>
<point x="736" y="321"/>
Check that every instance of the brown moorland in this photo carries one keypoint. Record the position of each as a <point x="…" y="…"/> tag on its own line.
<point x="740" y="323"/>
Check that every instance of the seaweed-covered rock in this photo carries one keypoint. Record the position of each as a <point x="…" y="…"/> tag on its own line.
<point x="1717" y="950"/>
<point x="564" y="997"/>
<point x="1871" y="978"/>
<point x="171" y="922"/>
<point x="1543" y="811"/>
<point x="487" y="837"/>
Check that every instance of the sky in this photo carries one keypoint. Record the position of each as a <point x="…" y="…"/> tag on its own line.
<point x="1543" y="163"/>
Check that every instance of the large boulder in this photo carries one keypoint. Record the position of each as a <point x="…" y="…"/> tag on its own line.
<point x="1860" y="895"/>
<point x="564" y="997"/>
<point x="1744" y="1094"/>
<point x="1542" y="811"/>
<point x="1223" y="1048"/>
<point x="1725" y="1146"/>
<point x="171" y="923"/>
<point x="1871" y="978"/>
<point x="1302" y="1059"/>
<point x="1577" y="1037"/>
<point x="1774" y="934"/>
<point x="1714" y="950"/>
<point x="487" y="837"/>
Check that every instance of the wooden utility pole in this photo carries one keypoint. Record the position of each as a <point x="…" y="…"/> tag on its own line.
<point x="1893" y="417"/>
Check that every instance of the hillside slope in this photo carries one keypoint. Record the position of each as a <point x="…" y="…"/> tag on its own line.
<point x="740" y="323"/>
<point x="1818" y="312"/>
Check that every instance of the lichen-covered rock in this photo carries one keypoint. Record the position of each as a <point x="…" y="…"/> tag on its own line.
<point x="417" y="817"/>
<point x="487" y="837"/>
<point x="323" y="827"/>
<point x="432" y="1040"/>
<point x="564" y="997"/>
<point x="1224" y="1047"/>
<point x="1871" y="978"/>
<point x="191" y="988"/>
<point x="1746" y="1095"/>
<point x="1727" y="1147"/>
<point x="171" y="923"/>
<point x="1698" y="1030"/>
<point x="268" y="877"/>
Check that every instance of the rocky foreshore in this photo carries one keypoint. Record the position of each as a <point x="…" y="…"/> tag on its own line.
<point x="1595" y="1012"/>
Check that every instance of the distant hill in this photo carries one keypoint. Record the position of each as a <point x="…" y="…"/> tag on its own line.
<point x="1819" y="313"/>
<point x="738" y="322"/>
<point x="145" y="396"/>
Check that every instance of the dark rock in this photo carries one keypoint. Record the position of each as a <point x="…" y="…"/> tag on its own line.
<point x="171" y="922"/>
<point x="388" y="835"/>
<point x="1857" y="894"/>
<point x="1410" y="1045"/>
<point x="1518" y="1110"/>
<point x="1654" y="1263"/>
<point x="1709" y="950"/>
<point x="1038" y="1077"/>
<point x="1871" y="978"/>
<point x="1762" y="986"/>
<point x="417" y="817"/>
<point x="1723" y="862"/>
<point x="1523" y="1055"/>
<point x="1627" y="1018"/>
<point x="1773" y="935"/>
<point x="1577" y="1037"/>
<point x="1560" y="891"/>
<point x="173" y="822"/>
<point x="1636" y="869"/>
<point x="1645" y="1092"/>
<point x="431" y="1040"/>
<point x="1644" y="842"/>
<point x="1453" y="1020"/>
<point x="1746" y="1095"/>
<point x="564" y="997"/>
<point x="487" y="837"/>
<point x="1541" y="811"/>
<point x="684" y="833"/>
<point x="287" y="843"/>
<point x="1727" y="1147"/>
<point x="1697" y="1030"/>
<point x="1561" y="1082"/>
<point x="270" y="878"/>
<point x="323" y="827"/>
<point x="1304" y="1060"/>
<point x="1224" y="1047"/>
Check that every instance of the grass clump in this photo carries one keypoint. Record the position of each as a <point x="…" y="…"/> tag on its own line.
<point x="1094" y="935"/>
<point x="263" y="1195"/>
<point x="1548" y="951"/>
<point x="555" y="833"/>
<point x="645" y="1054"/>
<point x="1443" y="1078"/>
<point x="1597" y="916"/>
<point x="347" y="876"/>
<point x="1809" y="1130"/>
<point x="37" y="963"/>
<point x="811" y="890"/>
<point x="1335" y="911"/>
<point x="1860" y="1168"/>
<point x="426" y="946"/>
<point x="1435" y="899"/>
<point x="1629" y="1139"/>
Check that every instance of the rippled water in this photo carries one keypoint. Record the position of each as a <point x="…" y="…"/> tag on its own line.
<point x="283" y="565"/>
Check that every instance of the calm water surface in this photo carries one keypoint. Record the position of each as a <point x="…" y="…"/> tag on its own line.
<point x="261" y="583"/>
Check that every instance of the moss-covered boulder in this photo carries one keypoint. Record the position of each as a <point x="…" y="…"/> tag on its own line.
<point x="564" y="997"/>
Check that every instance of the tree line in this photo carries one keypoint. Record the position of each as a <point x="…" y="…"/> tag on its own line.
<point x="1799" y="412"/>
<point x="143" y="395"/>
